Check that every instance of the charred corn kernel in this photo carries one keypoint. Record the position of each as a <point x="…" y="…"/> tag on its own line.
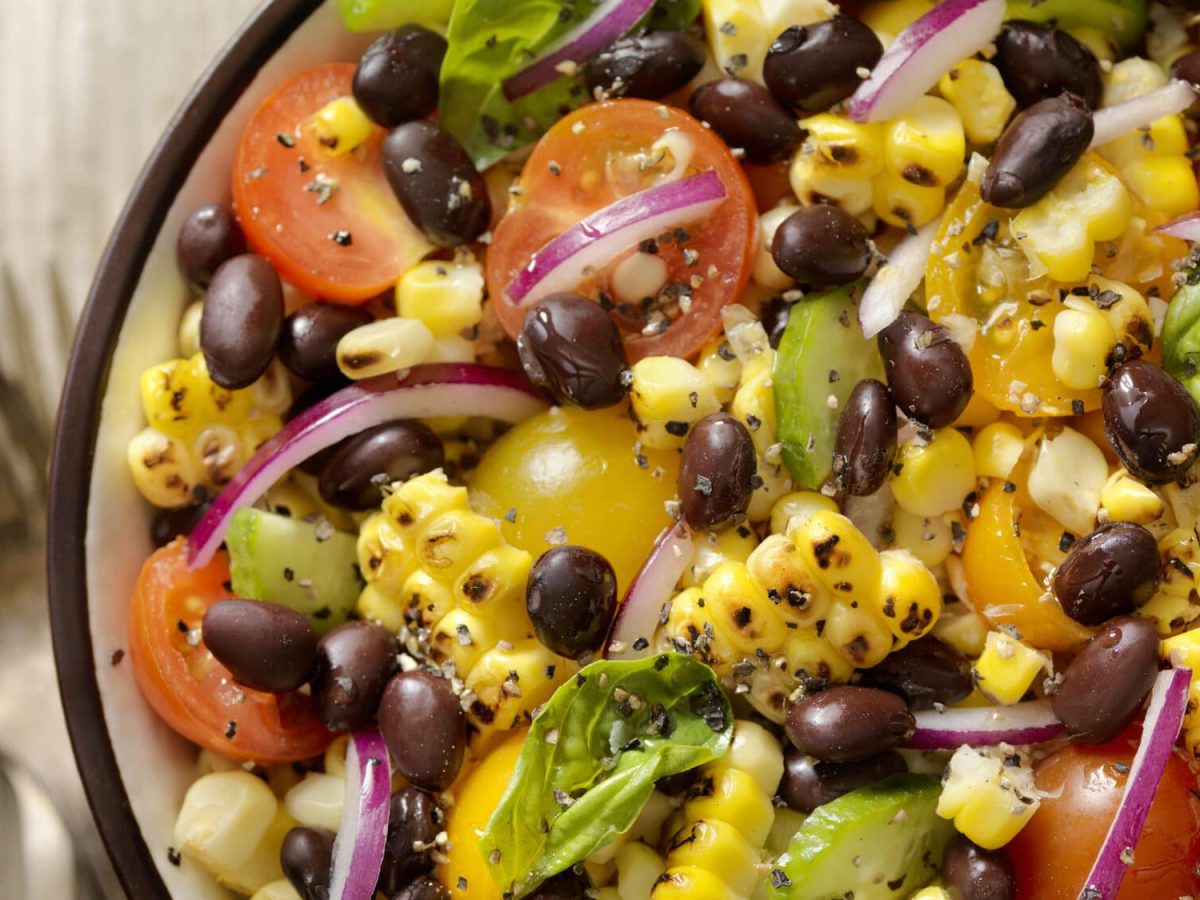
<point x="839" y="556"/>
<point x="340" y="125"/>
<point x="377" y="606"/>
<point x="902" y="203"/>
<point x="1007" y="668"/>
<point x="224" y="816"/>
<point x="781" y="571"/>
<point x="450" y="542"/>
<point x="189" y="330"/>
<point x="1169" y="609"/>
<point x="508" y="684"/>
<point x="692" y="883"/>
<point x="858" y="634"/>
<point x="179" y="398"/>
<point x="798" y="505"/>
<point x="962" y="628"/>
<point x="162" y="469"/>
<point x="383" y="346"/>
<point x="744" y="619"/>
<point x="669" y="396"/>
<point x="977" y="92"/>
<point x="256" y="432"/>
<point x="933" y="892"/>
<point x="910" y="600"/>
<point x="738" y="36"/>
<point x="928" y="538"/>
<point x="218" y="452"/>
<point x="766" y="273"/>
<point x="717" y="847"/>
<point x="997" y="447"/>
<point x="276" y="890"/>
<point x="815" y="184"/>
<point x="689" y="629"/>
<point x="1125" y="499"/>
<point x="926" y="146"/>
<point x="812" y="659"/>
<point x="721" y="367"/>
<point x="1083" y="340"/>
<point x="271" y="394"/>
<point x="756" y="751"/>
<point x="851" y="149"/>
<point x="715" y="548"/>
<point x="638" y="867"/>
<point x="1166" y="184"/>
<point x="931" y="477"/>
<point x="734" y="797"/>
<point x="463" y="636"/>
<point x="317" y="801"/>
<point x="989" y="798"/>
<point x="446" y="296"/>
<point x="1067" y="476"/>
<point x="1126" y="310"/>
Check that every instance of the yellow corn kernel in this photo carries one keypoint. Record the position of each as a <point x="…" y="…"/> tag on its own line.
<point x="756" y="751"/>
<point x="1125" y="499"/>
<point x="858" y="634"/>
<point x="1131" y="78"/>
<point x="317" y="801"/>
<point x="418" y="500"/>
<point x="638" y="867"/>
<point x="716" y="846"/>
<point x="447" y="297"/>
<point x="979" y="412"/>
<point x="849" y="149"/>
<point x="1183" y="650"/>
<point x="262" y="866"/>
<point x="989" y="799"/>
<point x="276" y="890"/>
<point x="463" y="636"/>
<point x="714" y="548"/>
<point x="721" y="367"/>
<point x="1129" y="315"/>
<point x="690" y="629"/>
<point x="926" y="146"/>
<point x="1068" y="473"/>
<point x="997" y="447"/>
<point x="781" y="14"/>
<point x="738" y="36"/>
<point x="813" y="658"/>
<point x="383" y="346"/>
<point x="779" y="569"/>
<point x="272" y="392"/>
<point x="932" y="477"/>
<point x="604" y="893"/>
<point x="256" y="432"/>
<point x="376" y="605"/>
<point x="932" y="892"/>
<point x="767" y="274"/>
<point x="450" y="542"/>
<point x="217" y="451"/>
<point x="508" y="684"/>
<point x="928" y="538"/>
<point x="839" y="555"/>
<point x="494" y="583"/>
<point x="669" y="396"/>
<point x="910" y="600"/>
<point x="1166" y="184"/>
<point x="189" y="330"/>
<point x="962" y="628"/>
<point x="1083" y="340"/>
<point x="732" y="796"/>
<point x="902" y="203"/>
<point x="162" y="469"/>
<point x="223" y="818"/>
<point x="340" y="125"/>
<point x="890" y="17"/>
<point x="1162" y="137"/>
<point x="692" y="883"/>
<point x="787" y="823"/>
<point x="744" y="619"/>
<point x="798" y="505"/>
<point x="815" y="184"/>
<point x="979" y="96"/>
<point x="1171" y="607"/>
<point x="1006" y="669"/>
<point x="754" y="402"/>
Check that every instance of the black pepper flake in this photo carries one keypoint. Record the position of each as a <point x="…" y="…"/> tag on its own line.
<point x="550" y="669"/>
<point x="116" y="657"/>
<point x="462" y="879"/>
<point x="1077" y="407"/>
<point x="779" y="879"/>
<point x="661" y="663"/>
<point x="342" y="237"/>
<point x="1009" y="487"/>
<point x="753" y="423"/>
<point x="709" y="705"/>
<point x="173" y="856"/>
<point x="286" y="140"/>
<point x="988" y="232"/>
<point x="289" y="574"/>
<point x="1037" y="324"/>
<point x="641" y="644"/>
<point x="676" y="429"/>
<point x="648" y="246"/>
<point x="230" y="730"/>
<point x="580" y="680"/>
<point x="182" y="626"/>
<point x="304" y="167"/>
<point x="1066" y="541"/>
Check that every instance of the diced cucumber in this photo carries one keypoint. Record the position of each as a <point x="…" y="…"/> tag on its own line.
<point x="823" y="354"/>
<point x="1122" y="20"/>
<point x="380" y="15"/>
<point x="306" y="566"/>
<point x="879" y="842"/>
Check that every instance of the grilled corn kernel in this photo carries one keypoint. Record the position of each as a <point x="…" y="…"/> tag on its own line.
<point x="1166" y="184"/>
<point x="779" y="569"/>
<point x="926" y="146"/>
<point x="383" y="346"/>
<point x="162" y="469"/>
<point x="638" y="868"/>
<point x="340" y="125"/>
<point x="738" y="37"/>
<point x="902" y="203"/>
<point x="714" y="548"/>
<point x="1083" y="340"/>
<point x="997" y="447"/>
<point x="717" y="847"/>
<point x="271" y="394"/>
<point x="979" y="96"/>
<point x="189" y="330"/>
<point x="692" y="883"/>
<point x="447" y="297"/>
<point x="463" y="636"/>
<point x="798" y="506"/>
<point x="669" y="396"/>
<point x="850" y="149"/>
<point x="734" y="797"/>
<point x="276" y="890"/>
<point x="988" y="797"/>
<point x="756" y="751"/>
<point x="508" y="684"/>
<point x="218" y="452"/>
<point x="449" y="543"/>
<point x="815" y="184"/>
<point x="689" y="629"/>
<point x="1125" y="499"/>
<point x="766" y="274"/>
<point x="721" y="367"/>
<point x="317" y="801"/>
<point x="858" y="634"/>
<point x="812" y="659"/>
<point x="839" y="555"/>
<point x="1068" y="474"/>
<point x="932" y="477"/>
<point x="962" y="628"/>
<point x="928" y="538"/>
<point x="223" y="818"/>
<point x="744" y="619"/>
<point x="910" y="600"/>
<point x="1007" y="668"/>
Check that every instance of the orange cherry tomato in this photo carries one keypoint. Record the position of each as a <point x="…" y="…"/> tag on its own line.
<point x="188" y="688"/>
<point x="293" y="197"/>
<point x="594" y="157"/>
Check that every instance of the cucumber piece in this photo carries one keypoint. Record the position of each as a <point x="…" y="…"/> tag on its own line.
<point x="879" y="842"/>
<point x="822" y="353"/>
<point x="380" y="15"/>
<point x="281" y="559"/>
<point x="1122" y="20"/>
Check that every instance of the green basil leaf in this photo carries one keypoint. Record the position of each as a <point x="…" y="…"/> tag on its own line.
<point x="380" y="15"/>
<point x="1181" y="337"/>
<point x="591" y="759"/>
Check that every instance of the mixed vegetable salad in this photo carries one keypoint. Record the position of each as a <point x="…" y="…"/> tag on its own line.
<point x="656" y="448"/>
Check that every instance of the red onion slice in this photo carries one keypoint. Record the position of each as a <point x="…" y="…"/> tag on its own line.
<point x="923" y="53"/>
<point x="359" y="846"/>
<point x="1186" y="227"/>
<point x="1164" y="718"/>
<point x="1114" y="121"/>
<point x="591" y="243"/>
<point x="438" y="389"/>
<point x="895" y="281"/>
<point x="639" y="615"/>
<point x="985" y="726"/>
<point x="610" y="20"/>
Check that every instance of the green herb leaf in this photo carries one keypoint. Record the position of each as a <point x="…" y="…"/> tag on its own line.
<point x="591" y="759"/>
<point x="1181" y="338"/>
<point x="380" y="15"/>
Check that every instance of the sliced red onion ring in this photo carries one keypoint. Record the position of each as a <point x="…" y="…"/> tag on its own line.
<point x="438" y="389"/>
<point x="985" y="726"/>
<point x="610" y="20"/>
<point x="1186" y="227"/>
<point x="1164" y="718"/>
<point x="895" y="281"/>
<point x="359" y="846"/>
<point x="639" y="614"/>
<point x="591" y="243"/>
<point x="1114" y="121"/>
<point x="923" y="53"/>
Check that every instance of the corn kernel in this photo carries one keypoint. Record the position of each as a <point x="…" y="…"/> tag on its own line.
<point x="979" y="411"/>
<point x="272" y="393"/>
<point x="850" y="149"/>
<point x="931" y="478"/>
<point x="463" y="636"/>
<point x="638" y="867"/>
<point x="925" y="146"/>
<point x="714" y="548"/>
<point x="1162" y="137"/>
<point x="989" y="799"/>
<point x="223" y="818"/>
<point x="928" y="538"/>
<point x="721" y="367"/>
<point x="450" y="542"/>
<point x="276" y="890"/>
<point x="447" y="297"/>
<point x="839" y="556"/>
<point x="509" y="684"/>
<point x="1183" y="650"/>
<point x="787" y="823"/>
<point x="669" y="396"/>
<point x="1007" y="668"/>
<point x="778" y="568"/>
<point x="744" y="619"/>
<point x="910" y="600"/>
<point x="755" y="750"/>
<point x="889" y="18"/>
<point x="766" y="273"/>
<point x="980" y="98"/>
<point x="189" y="330"/>
<point x="1068" y="474"/>
<point x="1083" y="340"/>
<point x="858" y="634"/>
<point x="1131" y="78"/>
<point x="162" y="469"/>
<point x="962" y="628"/>
<point x="1125" y="499"/>
<point x="798" y="506"/>
<point x="383" y="346"/>
<point x="738" y="37"/>
<point x="815" y="184"/>
<point x="997" y="449"/>
<point x="1166" y="184"/>
<point x="692" y="883"/>
<point x="933" y="892"/>
<point x="262" y="866"/>
<point x="902" y="203"/>
<point x="717" y="847"/>
<point x="340" y="125"/>
<point x="733" y="796"/>
<point x="317" y="801"/>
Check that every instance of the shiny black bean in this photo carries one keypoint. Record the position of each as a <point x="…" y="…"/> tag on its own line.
<point x="812" y="67"/>
<point x="1108" y="573"/>
<point x="1036" y="150"/>
<point x="397" y="77"/>
<point x="571" y="597"/>
<point x="649" y="65"/>
<point x="414" y="820"/>
<point x="1105" y="683"/>
<point x="866" y="439"/>
<point x="425" y="728"/>
<point x="169" y="524"/>
<point x="308" y="342"/>
<point x="746" y="115"/>
<point x="808" y="784"/>
<point x="972" y="873"/>
<point x="306" y="857"/>
<point x="822" y="245"/>
<point x="354" y="662"/>
<point x="1039" y="61"/>
<point x="208" y="237"/>
<point x="1151" y="421"/>
<point x="241" y="321"/>
<point x="423" y="888"/>
<point x="1187" y="68"/>
<point x="716" y="475"/>
<point x="847" y="722"/>
<point x="926" y="673"/>
<point x="568" y="885"/>
<point x="570" y="346"/>
<point x="437" y="184"/>
<point x="774" y="317"/>
<point x="265" y="646"/>
<point x="927" y="370"/>
<point x="351" y="476"/>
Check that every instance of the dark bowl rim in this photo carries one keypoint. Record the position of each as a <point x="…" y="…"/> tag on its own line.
<point x="120" y="269"/>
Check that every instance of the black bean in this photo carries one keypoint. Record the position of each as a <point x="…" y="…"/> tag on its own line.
<point x="927" y="370"/>
<point x="1040" y="61"/>
<point x="812" y="67"/>
<point x="414" y="821"/>
<point x="926" y="673"/>
<point x="972" y="873"/>
<point x="425" y="728"/>
<point x="774" y="317"/>
<point x="265" y="646"/>
<point x="808" y="784"/>
<point x="397" y="77"/>
<point x="350" y="477"/>
<point x="673" y="785"/>
<point x="424" y="888"/>
<point x="1151" y="421"/>
<point x="746" y="115"/>
<point x="716" y="475"/>
<point x="1036" y="150"/>
<point x="822" y="245"/>
<point x="306" y="857"/>
<point x="308" y="343"/>
<point x="1108" y="573"/>
<point x="649" y="66"/>
<point x="354" y="662"/>
<point x="437" y="184"/>
<point x="209" y="236"/>
<point x="1187" y="68"/>
<point x="571" y="598"/>
<point x="570" y="346"/>
<point x="1105" y="683"/>
<point x="847" y="722"/>
<point x="241" y="321"/>
<point x="568" y="885"/>
<point x="866" y="439"/>
<point x="169" y="524"/>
